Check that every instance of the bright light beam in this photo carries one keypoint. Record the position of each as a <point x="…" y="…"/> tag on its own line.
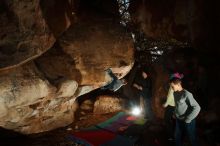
<point x="136" y="111"/>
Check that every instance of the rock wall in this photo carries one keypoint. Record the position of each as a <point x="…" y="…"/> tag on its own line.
<point x="38" y="93"/>
<point x="107" y="104"/>
<point x="24" y="33"/>
<point x="31" y="104"/>
<point x="193" y="21"/>
<point x="58" y="14"/>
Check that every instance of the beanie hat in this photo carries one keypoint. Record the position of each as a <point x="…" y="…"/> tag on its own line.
<point x="176" y="75"/>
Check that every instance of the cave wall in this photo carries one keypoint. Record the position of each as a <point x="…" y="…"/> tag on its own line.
<point x="24" y="32"/>
<point x="67" y="54"/>
<point x="193" y="21"/>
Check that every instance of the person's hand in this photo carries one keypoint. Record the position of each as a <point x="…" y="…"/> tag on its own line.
<point x="140" y="88"/>
<point x="187" y="120"/>
<point x="164" y="105"/>
<point x="124" y="81"/>
<point x="135" y="85"/>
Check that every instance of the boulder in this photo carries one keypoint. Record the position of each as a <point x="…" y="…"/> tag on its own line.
<point x="107" y="104"/>
<point x="40" y="79"/>
<point x="30" y="104"/>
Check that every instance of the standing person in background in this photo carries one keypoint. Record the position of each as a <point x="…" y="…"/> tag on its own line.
<point x="144" y="85"/>
<point x="169" y="111"/>
<point x="186" y="110"/>
<point x="168" y="116"/>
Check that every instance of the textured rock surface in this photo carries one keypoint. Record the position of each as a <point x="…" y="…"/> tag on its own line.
<point x="87" y="105"/>
<point x="58" y="14"/>
<point x="186" y="20"/>
<point x="160" y="89"/>
<point x="96" y="44"/>
<point x="30" y="104"/>
<point x="36" y="99"/>
<point x="85" y="50"/>
<point x="164" y="19"/>
<point x="67" y="88"/>
<point x="24" y="33"/>
<point x="107" y="104"/>
<point x="40" y="95"/>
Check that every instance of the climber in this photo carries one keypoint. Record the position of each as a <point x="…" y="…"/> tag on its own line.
<point x="115" y="83"/>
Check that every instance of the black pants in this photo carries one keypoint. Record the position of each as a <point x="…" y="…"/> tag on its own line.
<point x="169" y="121"/>
<point x="187" y="128"/>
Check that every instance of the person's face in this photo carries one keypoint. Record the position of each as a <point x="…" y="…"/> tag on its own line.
<point x="144" y="75"/>
<point x="175" y="87"/>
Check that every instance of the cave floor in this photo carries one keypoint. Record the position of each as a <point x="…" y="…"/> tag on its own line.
<point x="56" y="137"/>
<point x="153" y="134"/>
